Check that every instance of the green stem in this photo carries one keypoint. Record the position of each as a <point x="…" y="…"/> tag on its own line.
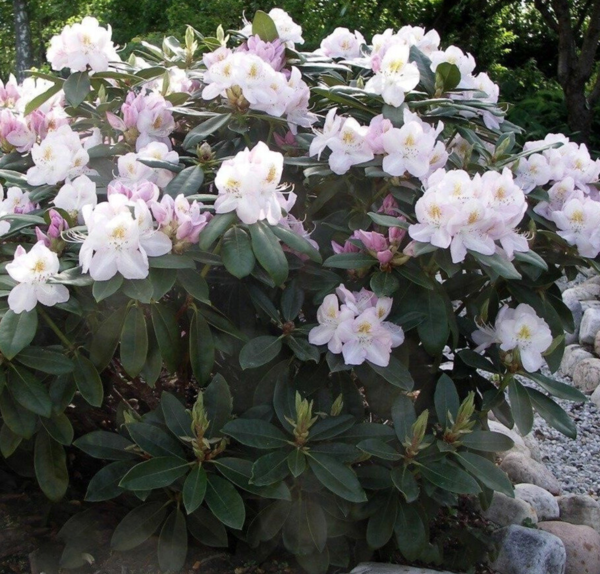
<point x="207" y="267"/>
<point x="55" y="328"/>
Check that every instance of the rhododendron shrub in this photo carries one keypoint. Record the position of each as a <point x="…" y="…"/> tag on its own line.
<point x="276" y="293"/>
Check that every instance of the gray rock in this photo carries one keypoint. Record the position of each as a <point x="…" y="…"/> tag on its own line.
<point x="544" y="504"/>
<point x="574" y="305"/>
<point x="528" y="551"/>
<point x="590" y="325"/>
<point x="533" y="445"/>
<point x="585" y="305"/>
<point x="595" y="398"/>
<point x="583" y="292"/>
<point x="378" y="568"/>
<point x="597" y="344"/>
<point x="582" y="544"/>
<point x="572" y="356"/>
<point x="586" y="376"/>
<point x="521" y="468"/>
<point x="505" y="510"/>
<point x="520" y="445"/>
<point x="580" y="509"/>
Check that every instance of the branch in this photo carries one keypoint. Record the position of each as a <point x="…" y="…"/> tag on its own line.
<point x="582" y="16"/>
<point x="546" y="14"/>
<point x="590" y="43"/>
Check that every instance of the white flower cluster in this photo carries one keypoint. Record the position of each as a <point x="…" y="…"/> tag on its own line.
<point x="357" y="328"/>
<point x="263" y="86"/>
<point x="574" y="201"/>
<point x="249" y="184"/>
<point x="520" y="332"/>
<point x="288" y="31"/>
<point x="412" y="149"/>
<point x="463" y="213"/>
<point x="83" y="45"/>
<point x="16" y="201"/>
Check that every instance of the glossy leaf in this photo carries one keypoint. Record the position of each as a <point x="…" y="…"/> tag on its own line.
<point x="17" y="330"/>
<point x="194" y="489"/>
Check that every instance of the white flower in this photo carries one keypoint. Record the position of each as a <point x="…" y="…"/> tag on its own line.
<point x="579" y="223"/>
<point x="532" y="171"/>
<point x="453" y="55"/>
<point x="58" y="157"/>
<point x="32" y="271"/>
<point x="331" y="129"/>
<point x="75" y="194"/>
<point x="395" y="77"/>
<point x="330" y="316"/>
<point x="342" y="43"/>
<point x="82" y="45"/>
<point x="520" y="330"/>
<point x="120" y="241"/>
<point x="288" y="31"/>
<point x="349" y="147"/>
<point x="409" y="150"/>
<point x="249" y="185"/>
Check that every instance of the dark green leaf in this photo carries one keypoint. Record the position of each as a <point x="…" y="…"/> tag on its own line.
<point x="350" y="261"/>
<point x="268" y="251"/>
<point x="45" y="361"/>
<point x="305" y="529"/>
<point x="194" y="489"/>
<point x="255" y="433"/>
<point x="225" y="502"/>
<point x="554" y="415"/>
<point x="134" y="342"/>
<point x="194" y="284"/>
<point x="155" y="441"/>
<point x="395" y="373"/>
<point x="186" y="182"/>
<point x="59" y="428"/>
<point x="36" y="102"/>
<point x="556" y="388"/>
<point x="178" y="420"/>
<point x="138" y="526"/>
<point x="410" y="531"/>
<point x="487" y="441"/>
<point x="303" y="350"/>
<point x="269" y="522"/>
<point x="236" y="252"/>
<point x="29" y="392"/>
<point x="20" y="420"/>
<point x="297" y="243"/>
<point x="264" y="27"/>
<point x="17" y="330"/>
<point x="475" y="360"/>
<point x="330" y="427"/>
<point x="104" y="444"/>
<point x="450" y="478"/>
<point x="379" y="449"/>
<point x="9" y="441"/>
<point x="155" y="473"/>
<point x="215" y="229"/>
<point x="173" y="542"/>
<point x="292" y="300"/>
<point x="520" y="405"/>
<point x="105" y="483"/>
<point x="106" y="338"/>
<point x="168" y="335"/>
<point x="218" y="403"/>
<point x="296" y="462"/>
<point x="76" y="88"/>
<point x="405" y="482"/>
<point x="447" y="77"/>
<point x="336" y="477"/>
<point x="446" y="401"/>
<point x="50" y="463"/>
<point x="139" y="289"/>
<point x="202" y="348"/>
<point x="259" y="351"/>
<point x="207" y="529"/>
<point x="88" y="381"/>
<point x="384" y="284"/>
<point x="381" y="525"/>
<point x="498" y="264"/>
<point x="403" y="416"/>
<point x="197" y="135"/>
<point x="486" y="471"/>
<point x="270" y="468"/>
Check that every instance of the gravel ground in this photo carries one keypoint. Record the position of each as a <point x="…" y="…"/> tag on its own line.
<point x="575" y="463"/>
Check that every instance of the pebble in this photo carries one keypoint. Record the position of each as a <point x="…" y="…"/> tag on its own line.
<point x="544" y="504"/>
<point x="521" y="468"/>
<point x="529" y="551"/>
<point x="582" y="545"/>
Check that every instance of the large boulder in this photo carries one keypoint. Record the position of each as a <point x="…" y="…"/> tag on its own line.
<point x="574" y="305"/>
<point x="572" y="356"/>
<point x="583" y="292"/>
<point x="544" y="504"/>
<point x="505" y="510"/>
<point x="521" y="468"/>
<point x="580" y="509"/>
<point x="529" y="551"/>
<point x="590" y="325"/>
<point x="586" y="376"/>
<point x="582" y="544"/>
<point x="595" y="398"/>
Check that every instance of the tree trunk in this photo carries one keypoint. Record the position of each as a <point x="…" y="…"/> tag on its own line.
<point x="579" y="114"/>
<point x="23" y="48"/>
